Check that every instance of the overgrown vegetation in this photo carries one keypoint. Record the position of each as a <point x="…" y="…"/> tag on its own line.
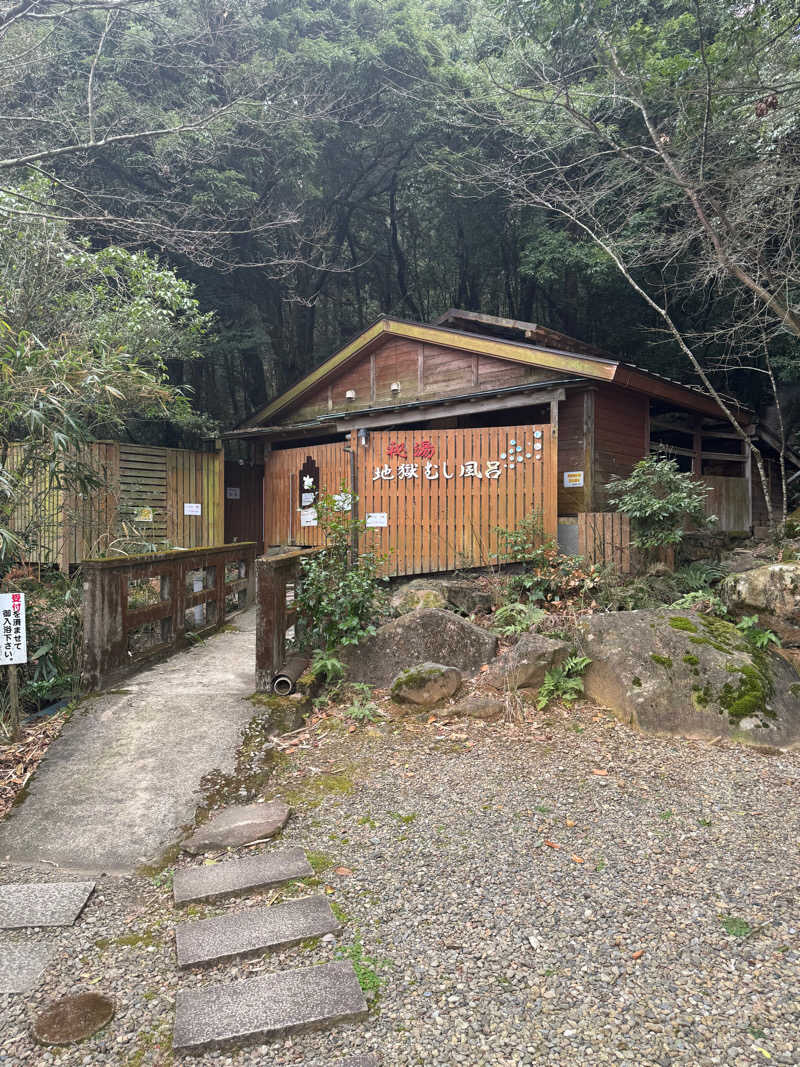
<point x="659" y="498"/>
<point x="563" y="683"/>
<point x="340" y="592"/>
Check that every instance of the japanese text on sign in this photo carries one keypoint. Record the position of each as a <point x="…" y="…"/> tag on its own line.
<point x="431" y="472"/>
<point x="13" y="643"/>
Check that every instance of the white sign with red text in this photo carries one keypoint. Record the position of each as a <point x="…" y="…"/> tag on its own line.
<point x="13" y="640"/>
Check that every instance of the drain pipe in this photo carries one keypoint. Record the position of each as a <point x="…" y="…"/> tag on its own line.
<point x="284" y="682"/>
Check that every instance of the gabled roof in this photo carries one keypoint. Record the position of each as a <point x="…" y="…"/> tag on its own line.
<point x="597" y="367"/>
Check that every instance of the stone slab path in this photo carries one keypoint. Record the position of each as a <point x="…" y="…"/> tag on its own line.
<point x="267" y="1006"/>
<point x="122" y="777"/>
<point x="22" y="965"/>
<point x="239" y="933"/>
<point x="192" y="884"/>
<point x="42" y="903"/>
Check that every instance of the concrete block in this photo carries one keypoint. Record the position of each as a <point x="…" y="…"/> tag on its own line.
<point x="240" y="933"/>
<point x="22" y="965"/>
<point x="42" y="903"/>
<point x="241" y="824"/>
<point x="240" y="876"/>
<point x="267" y="1006"/>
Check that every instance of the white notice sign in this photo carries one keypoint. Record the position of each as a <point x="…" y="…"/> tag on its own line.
<point x="192" y="509"/>
<point x="306" y="500"/>
<point x="573" y="479"/>
<point x="233" y="492"/>
<point x="308" y="516"/>
<point x="376" y="519"/>
<point x="13" y="642"/>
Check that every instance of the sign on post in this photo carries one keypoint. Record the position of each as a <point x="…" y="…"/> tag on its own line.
<point x="13" y="639"/>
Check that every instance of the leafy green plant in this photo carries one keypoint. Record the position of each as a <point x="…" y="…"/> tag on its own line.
<point x="736" y="927"/>
<point x="366" y="967"/>
<point x="659" y="498"/>
<point x="698" y="576"/>
<point x="516" y="618"/>
<point x="564" y="682"/>
<point x="754" y="635"/>
<point x="339" y="597"/>
<point x="362" y="707"/>
<point x="519" y="544"/>
<point x="326" y="667"/>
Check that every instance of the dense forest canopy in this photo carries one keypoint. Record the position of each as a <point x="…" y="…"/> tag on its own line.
<point x="623" y="172"/>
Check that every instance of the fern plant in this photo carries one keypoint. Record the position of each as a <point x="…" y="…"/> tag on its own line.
<point x="326" y="667"/>
<point x="516" y="618"/>
<point x="563" y="683"/>
<point x="754" y="635"/>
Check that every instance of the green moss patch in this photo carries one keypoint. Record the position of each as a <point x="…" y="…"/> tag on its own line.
<point x="662" y="661"/>
<point x="680" y="622"/>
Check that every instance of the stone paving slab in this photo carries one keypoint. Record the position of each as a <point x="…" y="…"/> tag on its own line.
<point x="22" y="965"/>
<point x="267" y="1006"/>
<point x="240" y="876"/>
<point x="367" y="1059"/>
<point x="42" y="903"/>
<point x="239" y="933"/>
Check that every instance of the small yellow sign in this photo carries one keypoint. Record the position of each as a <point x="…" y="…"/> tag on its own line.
<point x="142" y="514"/>
<point x="573" y="479"/>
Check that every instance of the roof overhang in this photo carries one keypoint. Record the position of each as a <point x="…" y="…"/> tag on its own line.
<point x="590" y="367"/>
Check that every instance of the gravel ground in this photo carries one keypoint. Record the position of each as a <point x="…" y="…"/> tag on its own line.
<point x="493" y="945"/>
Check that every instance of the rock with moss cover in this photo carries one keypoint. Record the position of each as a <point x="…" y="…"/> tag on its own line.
<point x="426" y="684"/>
<point x="674" y="673"/>
<point x="415" y="594"/>
<point x="772" y="593"/>
<point x="428" y="635"/>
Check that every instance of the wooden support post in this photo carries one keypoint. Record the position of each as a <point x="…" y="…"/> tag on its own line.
<point x="13" y="694"/>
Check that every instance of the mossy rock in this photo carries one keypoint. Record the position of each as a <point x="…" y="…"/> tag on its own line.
<point x="691" y="674"/>
<point x="426" y="684"/>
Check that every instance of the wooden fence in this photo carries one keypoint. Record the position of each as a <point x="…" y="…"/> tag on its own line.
<point x="433" y="499"/>
<point x="604" y="537"/>
<point x="140" y="608"/>
<point x="151" y="494"/>
<point x="276" y="579"/>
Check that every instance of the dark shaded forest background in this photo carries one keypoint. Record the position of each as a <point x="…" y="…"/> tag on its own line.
<point x="353" y="166"/>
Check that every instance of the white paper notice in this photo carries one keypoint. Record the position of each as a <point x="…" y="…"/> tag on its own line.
<point x="233" y="492"/>
<point x="306" y="500"/>
<point x="376" y="519"/>
<point x="192" y="509"/>
<point x="308" y="516"/>
<point x="13" y="642"/>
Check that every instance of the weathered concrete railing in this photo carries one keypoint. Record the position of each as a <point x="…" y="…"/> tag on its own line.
<point x="142" y="607"/>
<point x="276" y="576"/>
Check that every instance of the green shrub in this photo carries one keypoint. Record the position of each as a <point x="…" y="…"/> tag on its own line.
<point x="704" y="601"/>
<point x="563" y="683"/>
<point x="754" y="635"/>
<point x="659" y="498"/>
<point x="338" y="597"/>
<point x="516" y="618"/>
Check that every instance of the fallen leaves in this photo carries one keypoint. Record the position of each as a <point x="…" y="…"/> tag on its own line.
<point x="638" y="954"/>
<point x="569" y="822"/>
<point x="20" y="760"/>
<point x="552" y="844"/>
<point x="578" y="859"/>
<point x="343" y="872"/>
<point x="601" y="773"/>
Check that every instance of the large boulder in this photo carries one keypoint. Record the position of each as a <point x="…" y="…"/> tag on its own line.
<point x="773" y="593"/>
<point x="419" y="593"/>
<point x="426" y="684"/>
<point x="485" y="706"/>
<point x="673" y="673"/>
<point x="422" y="636"/>
<point x="462" y="595"/>
<point x="525" y="665"/>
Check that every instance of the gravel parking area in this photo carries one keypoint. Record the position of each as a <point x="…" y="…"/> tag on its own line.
<point x="564" y="892"/>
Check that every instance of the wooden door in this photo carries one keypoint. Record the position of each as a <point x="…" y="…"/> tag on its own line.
<point x="244" y="503"/>
<point x="433" y="499"/>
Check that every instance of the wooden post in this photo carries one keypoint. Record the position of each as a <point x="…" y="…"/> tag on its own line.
<point x="13" y="693"/>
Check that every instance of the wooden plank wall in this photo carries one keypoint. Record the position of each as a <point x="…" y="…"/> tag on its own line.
<point x="604" y="538"/>
<point x="433" y="523"/>
<point x="728" y="500"/>
<point x="75" y="526"/>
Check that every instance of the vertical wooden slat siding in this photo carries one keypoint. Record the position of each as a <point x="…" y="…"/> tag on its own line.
<point x="77" y="525"/>
<point x="433" y="525"/>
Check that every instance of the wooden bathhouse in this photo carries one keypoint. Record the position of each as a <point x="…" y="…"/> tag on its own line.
<point x="440" y="434"/>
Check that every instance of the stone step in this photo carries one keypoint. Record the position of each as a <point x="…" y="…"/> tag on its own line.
<point x="42" y="903"/>
<point x="22" y="965"/>
<point x="366" y="1059"/>
<point x="267" y="1006"/>
<point x="240" y="876"/>
<point x="239" y="933"/>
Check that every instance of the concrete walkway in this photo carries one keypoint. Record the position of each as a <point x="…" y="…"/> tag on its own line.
<point x="123" y="776"/>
